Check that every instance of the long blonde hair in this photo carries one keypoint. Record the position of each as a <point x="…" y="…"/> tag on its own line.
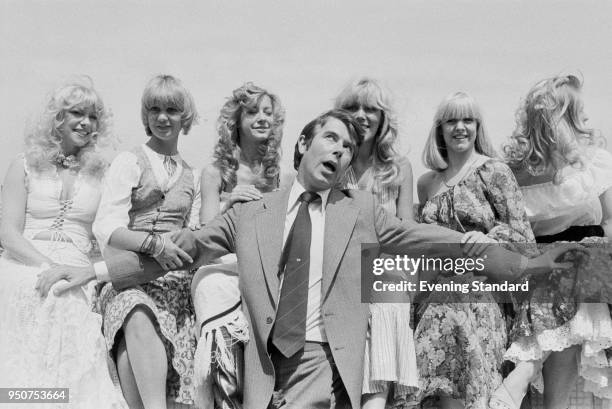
<point x="368" y="92"/>
<point x="456" y="105"/>
<point x="550" y="128"/>
<point x="227" y="149"/>
<point x="43" y="139"/>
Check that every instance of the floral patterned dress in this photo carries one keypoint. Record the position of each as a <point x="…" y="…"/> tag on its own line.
<point x="460" y="346"/>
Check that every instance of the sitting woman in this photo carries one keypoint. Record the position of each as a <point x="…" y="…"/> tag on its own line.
<point x="460" y="345"/>
<point x="149" y="192"/>
<point x="566" y="179"/>
<point x="246" y="163"/>
<point x="49" y="337"/>
<point x="379" y="169"/>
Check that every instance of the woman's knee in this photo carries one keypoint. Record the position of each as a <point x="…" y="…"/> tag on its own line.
<point x="140" y="322"/>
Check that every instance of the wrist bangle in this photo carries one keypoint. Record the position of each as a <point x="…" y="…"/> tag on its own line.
<point x="163" y="246"/>
<point x="149" y="244"/>
<point x="145" y="243"/>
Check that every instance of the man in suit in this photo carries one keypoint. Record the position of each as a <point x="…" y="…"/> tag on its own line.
<point x="315" y="359"/>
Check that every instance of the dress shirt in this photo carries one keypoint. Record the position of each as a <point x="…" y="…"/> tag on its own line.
<point x="315" y="330"/>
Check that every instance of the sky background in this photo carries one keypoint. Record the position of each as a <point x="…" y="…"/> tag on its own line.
<point x="304" y="51"/>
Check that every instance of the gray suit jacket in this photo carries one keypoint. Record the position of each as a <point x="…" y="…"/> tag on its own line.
<point x="254" y="231"/>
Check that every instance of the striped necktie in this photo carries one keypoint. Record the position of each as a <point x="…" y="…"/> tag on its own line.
<point x="289" y="332"/>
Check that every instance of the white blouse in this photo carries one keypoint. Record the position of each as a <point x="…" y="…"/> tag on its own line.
<point x="575" y="201"/>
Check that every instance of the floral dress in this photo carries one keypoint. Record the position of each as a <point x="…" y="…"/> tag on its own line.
<point x="460" y="346"/>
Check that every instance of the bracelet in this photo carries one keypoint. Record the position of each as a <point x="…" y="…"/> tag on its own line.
<point x="161" y="250"/>
<point x="152" y="244"/>
<point x="145" y="243"/>
<point x="149" y="244"/>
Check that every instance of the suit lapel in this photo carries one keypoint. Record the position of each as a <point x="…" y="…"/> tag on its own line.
<point x="340" y="218"/>
<point x="270" y="225"/>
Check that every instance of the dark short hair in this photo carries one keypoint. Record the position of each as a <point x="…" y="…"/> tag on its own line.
<point x="354" y="129"/>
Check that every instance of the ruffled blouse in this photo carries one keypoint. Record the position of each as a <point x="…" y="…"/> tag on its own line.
<point x="552" y="208"/>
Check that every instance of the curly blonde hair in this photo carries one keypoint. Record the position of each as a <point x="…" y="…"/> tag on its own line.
<point x="43" y="139"/>
<point x="550" y="128"/>
<point x="456" y="105"/>
<point x="227" y="149"/>
<point x="368" y="92"/>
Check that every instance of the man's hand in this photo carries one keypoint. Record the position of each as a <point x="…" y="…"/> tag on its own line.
<point x="172" y="256"/>
<point x="475" y="243"/>
<point x="186" y="240"/>
<point x="547" y="262"/>
<point x="70" y="277"/>
<point x="243" y="193"/>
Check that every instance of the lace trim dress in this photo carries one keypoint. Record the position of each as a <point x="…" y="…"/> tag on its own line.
<point x="563" y="322"/>
<point x="156" y="202"/>
<point x="390" y="353"/>
<point x="460" y="346"/>
<point x="55" y="342"/>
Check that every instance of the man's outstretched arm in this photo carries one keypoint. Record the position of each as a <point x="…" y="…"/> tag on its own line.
<point x="397" y="236"/>
<point x="214" y="240"/>
<point x="126" y="268"/>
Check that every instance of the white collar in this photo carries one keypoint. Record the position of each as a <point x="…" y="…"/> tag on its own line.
<point x="177" y="157"/>
<point x="297" y="189"/>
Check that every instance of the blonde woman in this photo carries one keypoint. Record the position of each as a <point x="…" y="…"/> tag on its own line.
<point x="150" y="192"/>
<point x="49" y="337"/>
<point x="379" y="169"/>
<point x="566" y="178"/>
<point x="460" y="345"/>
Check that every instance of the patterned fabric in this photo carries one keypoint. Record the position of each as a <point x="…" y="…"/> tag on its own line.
<point x="169" y="301"/>
<point x="168" y="297"/>
<point x="460" y="346"/>
<point x="486" y="200"/>
<point x="170" y="165"/>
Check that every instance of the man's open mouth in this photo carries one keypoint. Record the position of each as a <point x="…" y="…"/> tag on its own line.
<point x="331" y="166"/>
